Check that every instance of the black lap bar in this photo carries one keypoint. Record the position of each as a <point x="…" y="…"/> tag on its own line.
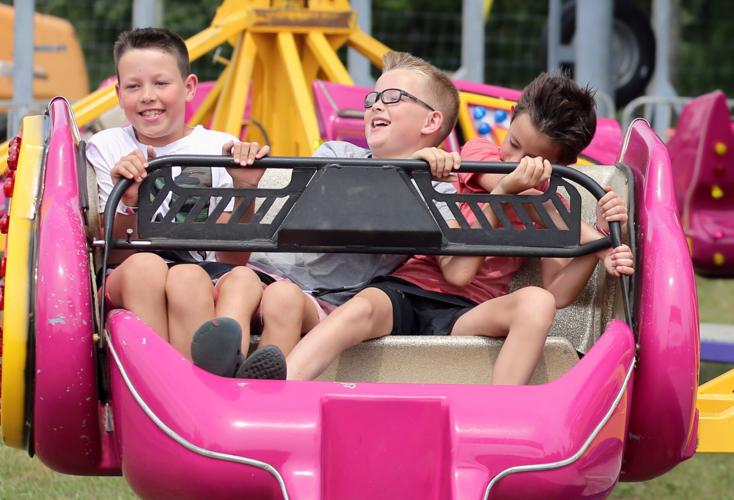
<point x="355" y="205"/>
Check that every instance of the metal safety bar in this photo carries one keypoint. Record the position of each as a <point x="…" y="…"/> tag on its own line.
<point x="356" y="206"/>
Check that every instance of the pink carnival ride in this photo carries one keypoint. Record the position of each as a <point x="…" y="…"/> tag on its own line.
<point x="125" y="402"/>
<point x="485" y="111"/>
<point x="702" y="156"/>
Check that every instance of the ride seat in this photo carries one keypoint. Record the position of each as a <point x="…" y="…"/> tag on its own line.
<point x="432" y="359"/>
<point x="702" y="159"/>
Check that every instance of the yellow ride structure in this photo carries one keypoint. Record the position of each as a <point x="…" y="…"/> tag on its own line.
<point x="280" y="47"/>
<point x="715" y="405"/>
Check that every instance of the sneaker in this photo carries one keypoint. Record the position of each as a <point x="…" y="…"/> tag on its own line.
<point x="265" y="363"/>
<point x="216" y="347"/>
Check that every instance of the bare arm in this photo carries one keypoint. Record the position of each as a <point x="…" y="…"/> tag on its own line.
<point x="245" y="154"/>
<point x="133" y="167"/>
<point x="460" y="270"/>
<point x="565" y="278"/>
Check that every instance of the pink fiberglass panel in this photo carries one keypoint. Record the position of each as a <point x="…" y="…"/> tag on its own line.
<point x="306" y="431"/>
<point x="662" y="428"/>
<point x="702" y="154"/>
<point x="65" y="432"/>
<point x="404" y="443"/>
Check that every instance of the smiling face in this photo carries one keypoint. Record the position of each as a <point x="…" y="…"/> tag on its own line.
<point x="153" y="95"/>
<point x="524" y="139"/>
<point x="400" y="129"/>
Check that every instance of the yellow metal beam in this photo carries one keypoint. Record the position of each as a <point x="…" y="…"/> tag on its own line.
<point x="235" y="88"/>
<point x="300" y="91"/>
<point x="206" y="109"/>
<point x="336" y="41"/>
<point x="723" y="384"/>
<point x="295" y="44"/>
<point x="368" y="46"/>
<point x="18" y="283"/>
<point x="214" y="36"/>
<point x="4" y="156"/>
<point x="715" y="405"/>
<point x="92" y="106"/>
<point x="327" y="58"/>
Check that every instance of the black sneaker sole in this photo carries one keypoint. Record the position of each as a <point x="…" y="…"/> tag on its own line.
<point x="265" y="363"/>
<point x="216" y="346"/>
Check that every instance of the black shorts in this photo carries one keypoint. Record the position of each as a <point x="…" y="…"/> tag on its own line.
<point x="416" y="311"/>
<point x="216" y="270"/>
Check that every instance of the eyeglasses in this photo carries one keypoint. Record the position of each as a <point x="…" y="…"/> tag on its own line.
<point x="391" y="96"/>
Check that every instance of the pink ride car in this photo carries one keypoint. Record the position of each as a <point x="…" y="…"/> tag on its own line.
<point x="401" y="417"/>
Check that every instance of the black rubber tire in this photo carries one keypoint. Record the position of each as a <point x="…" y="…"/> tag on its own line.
<point x="631" y="30"/>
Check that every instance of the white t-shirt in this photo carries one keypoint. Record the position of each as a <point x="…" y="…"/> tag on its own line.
<point x="105" y="148"/>
<point x="341" y="272"/>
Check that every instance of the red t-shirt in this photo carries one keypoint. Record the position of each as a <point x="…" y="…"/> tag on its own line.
<point x="493" y="277"/>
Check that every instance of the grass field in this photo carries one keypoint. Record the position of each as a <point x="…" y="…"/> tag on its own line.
<point x="704" y="476"/>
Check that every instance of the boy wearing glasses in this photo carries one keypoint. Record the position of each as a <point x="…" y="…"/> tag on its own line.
<point x="456" y="295"/>
<point x="411" y="111"/>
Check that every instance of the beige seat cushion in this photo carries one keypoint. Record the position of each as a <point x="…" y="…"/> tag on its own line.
<point x="439" y="360"/>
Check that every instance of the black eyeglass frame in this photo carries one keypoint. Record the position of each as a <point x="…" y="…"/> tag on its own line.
<point x="402" y="93"/>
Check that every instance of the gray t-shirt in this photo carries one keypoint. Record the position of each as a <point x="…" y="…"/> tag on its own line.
<point x="342" y="273"/>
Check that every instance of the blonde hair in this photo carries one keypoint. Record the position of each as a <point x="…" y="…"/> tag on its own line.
<point x="444" y="95"/>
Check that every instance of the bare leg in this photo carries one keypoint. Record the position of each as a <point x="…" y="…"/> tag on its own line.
<point x="139" y="285"/>
<point x="287" y="313"/>
<point x="367" y="315"/>
<point x="525" y="317"/>
<point x="190" y="303"/>
<point x="238" y="294"/>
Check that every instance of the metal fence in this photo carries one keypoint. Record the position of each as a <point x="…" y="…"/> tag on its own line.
<point x="512" y="40"/>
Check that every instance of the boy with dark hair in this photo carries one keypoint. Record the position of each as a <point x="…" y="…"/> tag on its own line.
<point x="154" y="82"/>
<point x="560" y="110"/>
<point x="459" y="295"/>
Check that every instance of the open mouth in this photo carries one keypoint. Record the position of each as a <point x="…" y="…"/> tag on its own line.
<point x="379" y="122"/>
<point x="151" y="113"/>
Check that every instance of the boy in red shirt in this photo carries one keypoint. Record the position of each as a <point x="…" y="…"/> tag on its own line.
<point x="553" y="121"/>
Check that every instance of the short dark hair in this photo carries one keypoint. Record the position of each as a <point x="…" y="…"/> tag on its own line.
<point x="562" y="110"/>
<point x="153" y="38"/>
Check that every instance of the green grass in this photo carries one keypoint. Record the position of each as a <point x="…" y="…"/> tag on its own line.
<point x="715" y="300"/>
<point x="22" y="477"/>
<point x="706" y="475"/>
<point x="703" y="476"/>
